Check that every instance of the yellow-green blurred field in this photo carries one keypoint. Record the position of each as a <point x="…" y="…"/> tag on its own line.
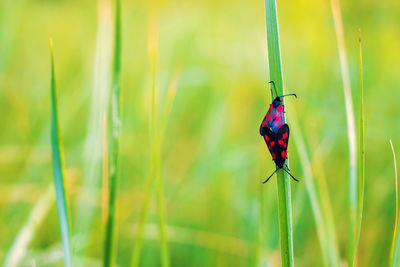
<point x="213" y="160"/>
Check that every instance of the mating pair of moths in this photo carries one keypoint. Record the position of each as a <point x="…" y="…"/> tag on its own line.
<point x="275" y="132"/>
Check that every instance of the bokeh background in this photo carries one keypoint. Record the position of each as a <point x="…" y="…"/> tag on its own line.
<point x="213" y="160"/>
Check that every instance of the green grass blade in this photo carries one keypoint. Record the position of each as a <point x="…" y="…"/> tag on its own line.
<point x="353" y="188"/>
<point x="154" y="175"/>
<point x="283" y="180"/>
<point x="328" y="243"/>
<point x="394" y="252"/>
<point x="156" y="138"/>
<point x="158" y="177"/>
<point x="361" y="153"/>
<point x="99" y="105"/>
<point x="109" y="246"/>
<point x="19" y="247"/>
<point x="161" y="210"/>
<point x="152" y="52"/>
<point x="105" y="187"/>
<point x="59" y="169"/>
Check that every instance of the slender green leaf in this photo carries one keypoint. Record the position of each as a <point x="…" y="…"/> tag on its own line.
<point x="353" y="188"/>
<point x="361" y="153"/>
<point x="394" y="252"/>
<point x="99" y="105"/>
<point x="158" y="177"/>
<point x="58" y="169"/>
<point x="328" y="243"/>
<point x="109" y="246"/>
<point x="105" y="187"/>
<point x="154" y="174"/>
<point x="283" y="180"/>
<point x="152" y="50"/>
<point x="19" y="247"/>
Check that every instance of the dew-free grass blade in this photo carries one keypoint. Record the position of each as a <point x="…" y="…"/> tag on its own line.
<point x="109" y="246"/>
<point x="283" y="180"/>
<point x="152" y="47"/>
<point x="59" y="169"/>
<point x="361" y="153"/>
<point x="351" y="134"/>
<point x="323" y="220"/>
<point x="394" y="252"/>
<point x="155" y="175"/>
<point x="19" y="247"/>
<point x="171" y="91"/>
<point x="99" y="104"/>
<point x="104" y="178"/>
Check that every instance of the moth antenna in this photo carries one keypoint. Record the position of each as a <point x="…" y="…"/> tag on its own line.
<point x="290" y="174"/>
<point x="273" y="83"/>
<point x="289" y="95"/>
<point x="271" y="175"/>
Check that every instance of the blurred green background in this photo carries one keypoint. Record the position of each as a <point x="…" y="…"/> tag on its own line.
<point x="213" y="160"/>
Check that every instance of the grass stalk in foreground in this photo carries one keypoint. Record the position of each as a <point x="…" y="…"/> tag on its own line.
<point x="59" y="169"/>
<point x="353" y="189"/>
<point x="394" y="252"/>
<point x="283" y="180"/>
<point x="361" y="153"/>
<point x="109" y="246"/>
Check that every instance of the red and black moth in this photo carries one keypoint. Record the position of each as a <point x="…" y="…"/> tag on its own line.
<point x="275" y="132"/>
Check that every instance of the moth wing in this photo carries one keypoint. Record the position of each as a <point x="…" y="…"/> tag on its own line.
<point x="263" y="126"/>
<point x="269" y="137"/>
<point x="281" y="144"/>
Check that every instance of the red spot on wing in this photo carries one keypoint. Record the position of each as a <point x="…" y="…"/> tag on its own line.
<point x="270" y="107"/>
<point x="280" y="142"/>
<point x="272" y="143"/>
<point x="283" y="154"/>
<point x="284" y="145"/>
<point x="267" y="138"/>
<point x="275" y="117"/>
<point x="280" y="109"/>
<point x="268" y="117"/>
<point x="264" y="123"/>
<point x="285" y="135"/>
<point x="280" y="125"/>
<point x="273" y="155"/>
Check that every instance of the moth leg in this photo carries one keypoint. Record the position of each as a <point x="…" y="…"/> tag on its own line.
<point x="287" y="166"/>
<point x="290" y="174"/>
<point x="271" y="175"/>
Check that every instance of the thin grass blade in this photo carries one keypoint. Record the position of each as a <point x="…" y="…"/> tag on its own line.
<point x="329" y="246"/>
<point x="394" y="252"/>
<point x="154" y="174"/>
<point x="361" y="153"/>
<point x="93" y="151"/>
<point x="171" y="91"/>
<point x="105" y="187"/>
<point x="351" y="134"/>
<point x="19" y="247"/>
<point x="59" y="169"/>
<point x="152" y="43"/>
<point x="109" y="246"/>
<point x="283" y="180"/>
